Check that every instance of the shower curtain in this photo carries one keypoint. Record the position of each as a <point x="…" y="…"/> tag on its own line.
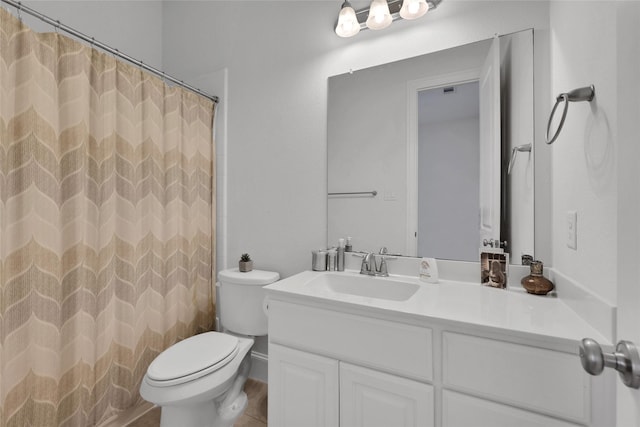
<point x="106" y="226"/>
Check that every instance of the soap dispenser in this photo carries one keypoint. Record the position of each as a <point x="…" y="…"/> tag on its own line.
<point x="348" y="247"/>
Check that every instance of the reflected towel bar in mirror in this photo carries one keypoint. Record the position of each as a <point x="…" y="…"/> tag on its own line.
<point x="577" y="95"/>
<point x="373" y="193"/>
<point x="525" y="148"/>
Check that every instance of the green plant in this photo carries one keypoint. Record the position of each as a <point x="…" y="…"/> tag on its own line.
<point x="245" y="258"/>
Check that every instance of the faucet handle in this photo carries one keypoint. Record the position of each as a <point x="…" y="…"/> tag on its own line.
<point x="382" y="270"/>
<point x="383" y="251"/>
<point x="366" y="267"/>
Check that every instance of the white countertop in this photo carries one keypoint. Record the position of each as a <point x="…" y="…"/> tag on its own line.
<point x="511" y="310"/>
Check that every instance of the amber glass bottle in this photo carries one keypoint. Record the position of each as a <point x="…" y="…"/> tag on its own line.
<point x="536" y="283"/>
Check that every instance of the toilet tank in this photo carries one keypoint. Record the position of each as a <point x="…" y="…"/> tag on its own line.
<point x="242" y="298"/>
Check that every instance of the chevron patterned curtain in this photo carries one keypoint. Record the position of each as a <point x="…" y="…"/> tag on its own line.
<point x="106" y="227"/>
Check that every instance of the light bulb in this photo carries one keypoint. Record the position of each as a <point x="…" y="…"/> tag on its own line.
<point x="412" y="9"/>
<point x="347" y="25"/>
<point x="379" y="15"/>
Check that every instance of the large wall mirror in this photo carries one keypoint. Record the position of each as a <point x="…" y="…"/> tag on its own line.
<point x="433" y="155"/>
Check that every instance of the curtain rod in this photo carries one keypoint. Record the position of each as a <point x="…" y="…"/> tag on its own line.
<point x="56" y="24"/>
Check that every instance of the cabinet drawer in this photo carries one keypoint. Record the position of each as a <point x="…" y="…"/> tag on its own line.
<point x="388" y="346"/>
<point x="545" y="381"/>
<point x="459" y="410"/>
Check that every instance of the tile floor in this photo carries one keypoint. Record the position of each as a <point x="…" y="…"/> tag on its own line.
<point x="254" y="416"/>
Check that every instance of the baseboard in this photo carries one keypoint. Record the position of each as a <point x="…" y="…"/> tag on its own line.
<point x="259" y="366"/>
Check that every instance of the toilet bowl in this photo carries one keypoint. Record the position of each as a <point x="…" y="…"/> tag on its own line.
<point x="199" y="381"/>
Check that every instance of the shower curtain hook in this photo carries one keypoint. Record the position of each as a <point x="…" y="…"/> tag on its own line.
<point x="57" y="26"/>
<point x="19" y="7"/>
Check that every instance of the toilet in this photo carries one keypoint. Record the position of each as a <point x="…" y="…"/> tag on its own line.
<point x="199" y="381"/>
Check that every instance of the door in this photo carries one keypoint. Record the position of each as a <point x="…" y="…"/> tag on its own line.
<point x="628" y="248"/>
<point x="374" y="399"/>
<point x="304" y="387"/>
<point x="490" y="163"/>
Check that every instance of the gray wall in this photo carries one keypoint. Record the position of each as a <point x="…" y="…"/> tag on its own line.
<point x="448" y="176"/>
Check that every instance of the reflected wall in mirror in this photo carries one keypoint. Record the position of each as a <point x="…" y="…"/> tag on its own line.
<point x="448" y="134"/>
<point x="388" y="134"/>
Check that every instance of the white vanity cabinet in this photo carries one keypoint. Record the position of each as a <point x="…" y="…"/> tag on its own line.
<point x="307" y="390"/>
<point x="352" y="367"/>
<point x="334" y="369"/>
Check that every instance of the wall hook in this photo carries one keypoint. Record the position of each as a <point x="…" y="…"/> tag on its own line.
<point x="577" y="95"/>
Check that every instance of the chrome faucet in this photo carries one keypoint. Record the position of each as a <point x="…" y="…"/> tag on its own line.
<point x="370" y="266"/>
<point x="366" y="267"/>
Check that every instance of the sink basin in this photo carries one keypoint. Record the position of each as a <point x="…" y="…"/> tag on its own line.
<point x="365" y="286"/>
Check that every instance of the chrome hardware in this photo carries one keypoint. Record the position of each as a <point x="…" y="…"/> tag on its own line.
<point x="365" y="268"/>
<point x="526" y="148"/>
<point x="494" y="243"/>
<point x="382" y="269"/>
<point x="625" y="360"/>
<point x="526" y="259"/>
<point x="370" y="265"/>
<point x="373" y="193"/>
<point x="577" y="95"/>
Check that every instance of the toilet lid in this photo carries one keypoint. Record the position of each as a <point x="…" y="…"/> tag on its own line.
<point x="199" y="354"/>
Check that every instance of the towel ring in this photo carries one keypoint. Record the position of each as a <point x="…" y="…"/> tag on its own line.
<point x="577" y="95"/>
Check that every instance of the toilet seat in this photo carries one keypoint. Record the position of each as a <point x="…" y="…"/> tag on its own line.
<point x="192" y="358"/>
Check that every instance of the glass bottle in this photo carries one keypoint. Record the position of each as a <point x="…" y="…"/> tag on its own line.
<point x="536" y="283"/>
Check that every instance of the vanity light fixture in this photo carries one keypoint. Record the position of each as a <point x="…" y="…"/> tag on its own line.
<point x="412" y="9"/>
<point x="348" y="25"/>
<point x="380" y="14"/>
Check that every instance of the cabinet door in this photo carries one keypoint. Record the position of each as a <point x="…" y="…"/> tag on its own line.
<point x="303" y="389"/>
<point x="370" y="398"/>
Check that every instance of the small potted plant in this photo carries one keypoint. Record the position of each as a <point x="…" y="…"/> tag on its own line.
<point x="245" y="264"/>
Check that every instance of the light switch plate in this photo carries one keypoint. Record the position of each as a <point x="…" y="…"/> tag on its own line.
<point x="572" y="229"/>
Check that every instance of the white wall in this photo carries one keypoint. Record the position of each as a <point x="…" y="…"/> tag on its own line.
<point x="584" y="156"/>
<point x="595" y="160"/>
<point x="279" y="55"/>
<point x="133" y="27"/>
